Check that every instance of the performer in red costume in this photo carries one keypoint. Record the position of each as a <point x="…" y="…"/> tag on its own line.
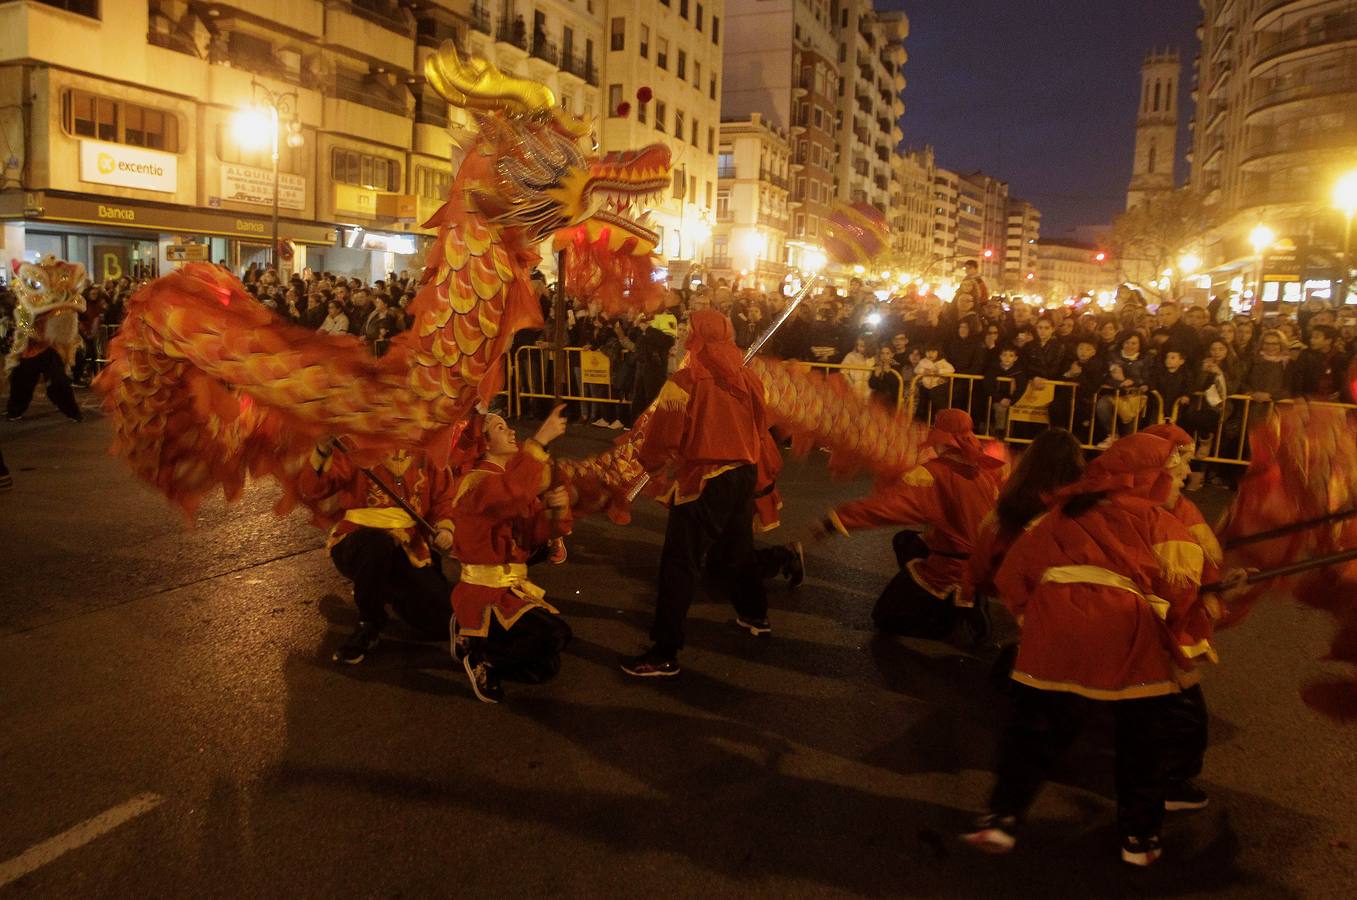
<point x="378" y="546"/>
<point x="946" y="497"/>
<point x="708" y="433"/>
<point x="506" y="510"/>
<point x="1105" y="587"/>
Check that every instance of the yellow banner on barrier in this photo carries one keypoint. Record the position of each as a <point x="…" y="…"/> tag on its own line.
<point x="1034" y="405"/>
<point x="595" y="367"/>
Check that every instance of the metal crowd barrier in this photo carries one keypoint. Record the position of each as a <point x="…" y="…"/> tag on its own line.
<point x="1238" y="414"/>
<point x="973" y="395"/>
<point x="532" y="371"/>
<point x="841" y="369"/>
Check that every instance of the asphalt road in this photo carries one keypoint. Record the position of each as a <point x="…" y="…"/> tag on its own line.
<point x="173" y="727"/>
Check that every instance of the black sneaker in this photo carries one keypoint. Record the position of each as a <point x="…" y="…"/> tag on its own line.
<point x="650" y="664"/>
<point x="6" y="482"/>
<point x="795" y="569"/>
<point x="992" y="834"/>
<point x="1184" y="795"/>
<point x="977" y="620"/>
<point x="459" y="645"/>
<point x="18" y="418"/>
<point x="363" y="639"/>
<point x="485" y="683"/>
<point x="1141" y="851"/>
<point x="756" y="627"/>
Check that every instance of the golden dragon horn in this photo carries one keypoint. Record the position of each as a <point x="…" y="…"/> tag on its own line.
<point x="476" y="84"/>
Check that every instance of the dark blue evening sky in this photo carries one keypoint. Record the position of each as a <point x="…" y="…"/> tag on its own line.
<point x="1040" y="93"/>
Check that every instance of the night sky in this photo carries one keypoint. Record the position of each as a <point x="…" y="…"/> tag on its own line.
<point x="1040" y="93"/>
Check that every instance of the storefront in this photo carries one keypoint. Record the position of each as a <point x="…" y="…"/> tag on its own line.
<point x="121" y="238"/>
<point x="370" y="255"/>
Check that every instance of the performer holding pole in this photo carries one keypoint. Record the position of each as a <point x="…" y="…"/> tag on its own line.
<point x="383" y="542"/>
<point x="504" y="510"/>
<point x="1106" y="587"/>
<point x="708" y="430"/>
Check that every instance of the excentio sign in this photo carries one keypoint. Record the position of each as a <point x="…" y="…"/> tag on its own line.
<point x="130" y="167"/>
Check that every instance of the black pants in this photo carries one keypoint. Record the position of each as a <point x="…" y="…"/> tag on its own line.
<point x="1045" y="724"/>
<point x="907" y="608"/>
<point x="4" y="469"/>
<point x="1185" y="735"/>
<point x="529" y="652"/>
<point x="23" y="381"/>
<point x="724" y="515"/>
<point x="381" y="573"/>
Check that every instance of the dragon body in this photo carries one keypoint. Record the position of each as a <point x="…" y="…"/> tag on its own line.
<point x="47" y="309"/>
<point x="205" y="386"/>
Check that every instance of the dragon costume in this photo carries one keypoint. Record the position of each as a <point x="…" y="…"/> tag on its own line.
<point x="48" y="308"/>
<point x="206" y="386"/>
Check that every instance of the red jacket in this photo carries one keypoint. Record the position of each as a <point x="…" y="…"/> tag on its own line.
<point x="498" y="520"/>
<point x="1104" y="599"/>
<point x="947" y="496"/>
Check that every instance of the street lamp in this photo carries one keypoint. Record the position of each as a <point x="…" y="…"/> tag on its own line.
<point x="1345" y="199"/>
<point x="1260" y="238"/>
<point x="258" y="126"/>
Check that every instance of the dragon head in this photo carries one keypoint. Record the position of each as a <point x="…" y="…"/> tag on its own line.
<point x="534" y="167"/>
<point x="47" y="286"/>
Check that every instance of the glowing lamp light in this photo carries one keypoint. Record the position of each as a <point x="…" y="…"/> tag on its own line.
<point x="858" y="270"/>
<point x="1031" y="275"/>
<point x="252" y="128"/>
<point x="875" y="318"/>
<point x="814" y="260"/>
<point x="1261" y="238"/>
<point x="1100" y="256"/>
<point x="1189" y="263"/>
<point x="988" y="254"/>
<point x="1345" y="194"/>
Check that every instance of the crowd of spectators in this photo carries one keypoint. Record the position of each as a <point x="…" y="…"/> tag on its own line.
<point x="1102" y="370"/>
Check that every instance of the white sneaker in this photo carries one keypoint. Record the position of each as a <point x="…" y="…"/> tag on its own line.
<point x="1105" y="443"/>
<point x="616" y="425"/>
<point x="992" y="834"/>
<point x="600" y="422"/>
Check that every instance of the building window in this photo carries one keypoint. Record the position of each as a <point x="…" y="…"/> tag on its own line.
<point x="364" y="170"/>
<point x="682" y="69"/>
<point x="692" y="188"/>
<point x="659" y="115"/>
<point x="83" y="7"/>
<point x="619" y="34"/>
<point x="716" y="29"/>
<point x="230" y="151"/>
<point x="699" y="16"/>
<point x="697" y="75"/>
<point x="680" y="182"/>
<point x="723" y="205"/>
<point x="683" y="8"/>
<point x="711" y="140"/>
<point x="712" y="92"/>
<point x="725" y="164"/>
<point x="432" y="184"/>
<point x="695" y="130"/>
<point x="708" y="195"/>
<point x="614" y="100"/>
<point x="117" y="121"/>
<point x="665" y="2"/>
<point x="645" y="42"/>
<point x="662" y="53"/>
<point x="641" y="113"/>
<point x="678" y="124"/>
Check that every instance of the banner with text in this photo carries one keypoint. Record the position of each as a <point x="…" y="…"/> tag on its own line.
<point x="129" y="167"/>
<point x="247" y="184"/>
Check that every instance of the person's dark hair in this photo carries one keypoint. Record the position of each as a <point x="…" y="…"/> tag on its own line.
<point x="1327" y="330"/>
<point x="1053" y="460"/>
<point x="1079" y="504"/>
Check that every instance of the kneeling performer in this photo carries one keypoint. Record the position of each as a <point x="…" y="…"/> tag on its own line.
<point x="505" y="509"/>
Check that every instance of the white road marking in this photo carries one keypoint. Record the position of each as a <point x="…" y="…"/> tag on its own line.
<point x="41" y="854"/>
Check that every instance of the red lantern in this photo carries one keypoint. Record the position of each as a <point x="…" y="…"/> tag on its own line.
<point x="623" y="109"/>
<point x="643" y="94"/>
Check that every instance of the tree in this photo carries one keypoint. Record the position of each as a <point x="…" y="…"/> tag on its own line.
<point x="1149" y="238"/>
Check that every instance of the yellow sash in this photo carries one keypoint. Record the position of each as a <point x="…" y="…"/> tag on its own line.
<point x="391" y="518"/>
<point x="513" y="576"/>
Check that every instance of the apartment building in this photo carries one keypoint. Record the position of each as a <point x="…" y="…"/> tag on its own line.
<point x="871" y="57"/>
<point x="127" y="159"/>
<point x="752" y="211"/>
<point x="912" y="209"/>
<point x="1020" y="246"/>
<point x="1069" y="269"/>
<point x="1274" y="128"/>
<point x="673" y="49"/>
<point x="946" y="197"/>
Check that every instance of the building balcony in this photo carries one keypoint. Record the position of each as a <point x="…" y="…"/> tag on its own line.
<point x="433" y="32"/>
<point x="1277" y="95"/>
<point x="386" y="14"/>
<point x="545" y="51"/>
<point x="513" y="32"/>
<point x="1274" y="47"/>
<point x="778" y="223"/>
<point x="1265" y="143"/>
<point x="365" y="92"/>
<point x="725" y="172"/>
<point x="480" y="19"/>
<point x="1269" y="11"/>
<point x="725" y="215"/>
